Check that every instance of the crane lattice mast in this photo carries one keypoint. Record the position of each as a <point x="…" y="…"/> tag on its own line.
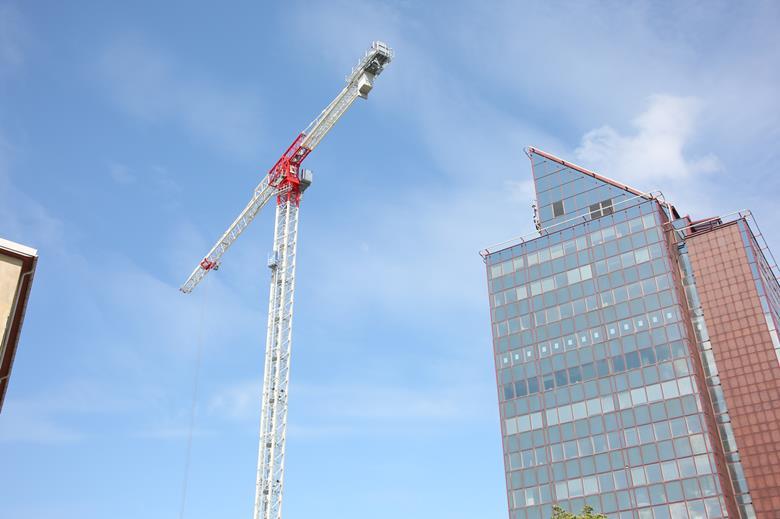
<point x="286" y="180"/>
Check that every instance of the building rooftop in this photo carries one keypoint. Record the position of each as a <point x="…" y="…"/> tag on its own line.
<point x="568" y="194"/>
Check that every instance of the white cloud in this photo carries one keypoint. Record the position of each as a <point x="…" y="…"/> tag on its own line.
<point x="424" y="234"/>
<point x="154" y="87"/>
<point x="47" y="417"/>
<point x="333" y="407"/>
<point x="22" y="425"/>
<point x="655" y="152"/>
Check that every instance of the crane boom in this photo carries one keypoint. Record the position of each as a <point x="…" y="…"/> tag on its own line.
<point x="283" y="178"/>
<point x="263" y="193"/>
<point x="286" y="180"/>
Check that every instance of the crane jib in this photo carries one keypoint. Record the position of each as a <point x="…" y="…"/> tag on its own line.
<point x="285" y="180"/>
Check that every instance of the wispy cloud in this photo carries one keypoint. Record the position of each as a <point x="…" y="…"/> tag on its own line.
<point x="54" y="416"/>
<point x="425" y="233"/>
<point x="655" y="152"/>
<point x="24" y="425"/>
<point x="155" y="87"/>
<point x="355" y="408"/>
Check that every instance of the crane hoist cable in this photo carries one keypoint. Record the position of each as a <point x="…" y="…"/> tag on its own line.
<point x="193" y="406"/>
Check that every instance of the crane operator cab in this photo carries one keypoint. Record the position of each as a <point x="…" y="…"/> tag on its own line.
<point x="377" y="58"/>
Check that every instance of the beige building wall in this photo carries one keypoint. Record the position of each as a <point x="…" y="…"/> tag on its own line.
<point x="17" y="268"/>
<point x="10" y="272"/>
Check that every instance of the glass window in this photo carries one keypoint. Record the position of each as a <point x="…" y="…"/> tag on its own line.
<point x="702" y="464"/>
<point x="532" y="496"/>
<point x="631" y="435"/>
<point x="645" y="433"/>
<point x="696" y="509"/>
<point x="561" y="490"/>
<point x="654" y="393"/>
<point x="691" y="488"/>
<point x="697" y="444"/>
<point x="588" y="466"/>
<point x="638" y="476"/>
<point x="575" y="487"/>
<point x="661" y="512"/>
<point x="687" y="467"/>
<point x="657" y="495"/>
<point x="602" y="463"/>
<point x="590" y="485"/>
<point x="624" y="502"/>
<point x="662" y="431"/>
<point x="713" y="507"/>
<point x="669" y="470"/>
<point x="642" y="496"/>
<point x="570" y="449"/>
<point x="642" y="255"/>
<point x="621" y="479"/>
<point x="609" y="503"/>
<point x="541" y="456"/>
<point x="585" y="447"/>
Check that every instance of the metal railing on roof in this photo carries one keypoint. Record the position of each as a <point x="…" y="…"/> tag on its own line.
<point x="755" y="230"/>
<point x="653" y="195"/>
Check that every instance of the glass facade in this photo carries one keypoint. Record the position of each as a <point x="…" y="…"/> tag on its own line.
<point x="564" y="191"/>
<point x="601" y="400"/>
<point x="711" y="374"/>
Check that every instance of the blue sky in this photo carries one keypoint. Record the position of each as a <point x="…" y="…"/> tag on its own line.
<point x="131" y="135"/>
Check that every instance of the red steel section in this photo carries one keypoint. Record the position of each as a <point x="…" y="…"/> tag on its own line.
<point x="284" y="176"/>
<point x="284" y="173"/>
<point x="207" y="264"/>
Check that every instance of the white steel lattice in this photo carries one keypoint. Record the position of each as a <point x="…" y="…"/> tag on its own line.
<point x="284" y="182"/>
<point x="276" y="379"/>
<point x="359" y="83"/>
<point x="332" y="113"/>
<point x="262" y="194"/>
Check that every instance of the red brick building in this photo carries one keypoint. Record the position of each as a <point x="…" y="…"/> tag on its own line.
<point x="740" y="301"/>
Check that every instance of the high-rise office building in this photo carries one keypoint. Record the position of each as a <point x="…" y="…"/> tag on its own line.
<point x="637" y="356"/>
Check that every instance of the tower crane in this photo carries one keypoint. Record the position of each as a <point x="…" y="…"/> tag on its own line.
<point x="286" y="181"/>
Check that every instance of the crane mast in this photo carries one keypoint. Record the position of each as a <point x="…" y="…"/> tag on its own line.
<point x="286" y="180"/>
